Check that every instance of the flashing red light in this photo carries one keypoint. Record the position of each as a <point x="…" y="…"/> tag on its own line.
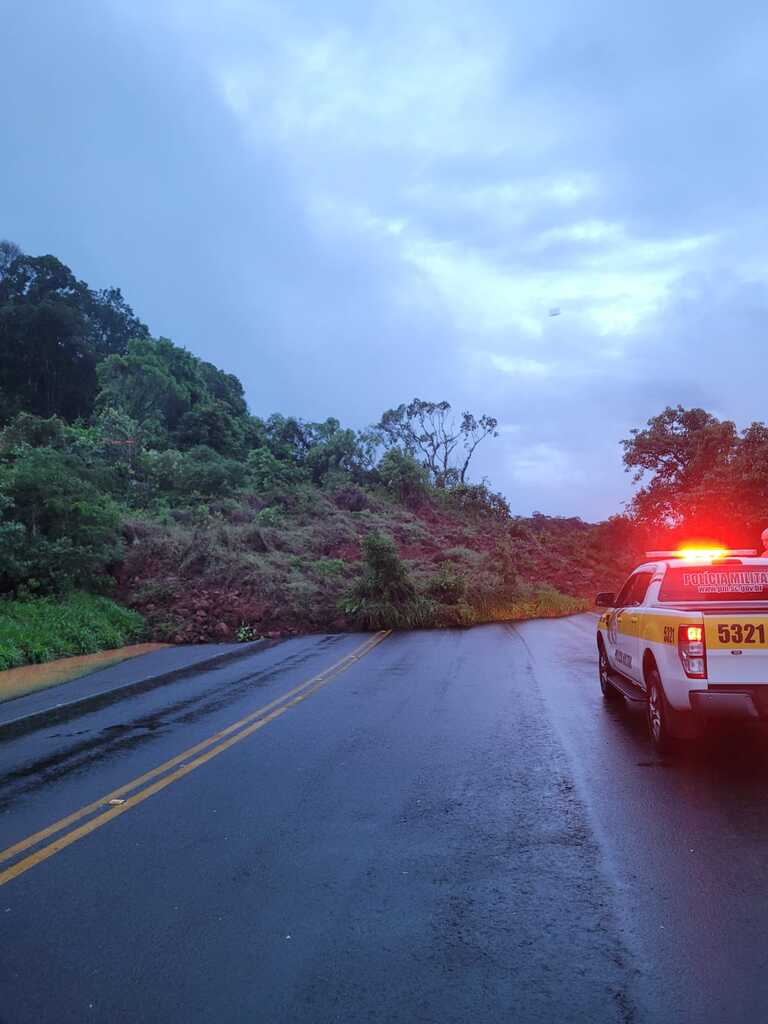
<point x="705" y="554"/>
<point x="694" y="634"/>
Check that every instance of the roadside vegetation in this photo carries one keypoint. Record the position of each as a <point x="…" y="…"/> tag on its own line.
<point x="134" y="471"/>
<point x="36" y="631"/>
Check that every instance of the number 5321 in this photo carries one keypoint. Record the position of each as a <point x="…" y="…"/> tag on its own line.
<point x="741" y="633"/>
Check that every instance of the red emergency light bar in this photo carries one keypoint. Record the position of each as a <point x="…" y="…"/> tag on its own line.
<point x="705" y="554"/>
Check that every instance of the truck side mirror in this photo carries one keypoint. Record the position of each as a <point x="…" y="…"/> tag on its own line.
<point x="606" y="600"/>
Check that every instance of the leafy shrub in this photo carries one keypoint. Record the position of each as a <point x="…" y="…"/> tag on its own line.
<point x="155" y="542"/>
<point x="477" y="500"/>
<point x="466" y="555"/>
<point x="329" y="566"/>
<point x="385" y="575"/>
<point x="352" y="499"/>
<point x="41" y="629"/>
<point x="449" y="585"/>
<point x="200" y="471"/>
<point x="253" y="538"/>
<point x="403" y="476"/>
<point x="302" y="595"/>
<point x="233" y="511"/>
<point x="269" y="516"/>
<point x="385" y="596"/>
<point x="59" y="530"/>
<point x="327" y="535"/>
<point x="268" y="473"/>
<point x="301" y="500"/>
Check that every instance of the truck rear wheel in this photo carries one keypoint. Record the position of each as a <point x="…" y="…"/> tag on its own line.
<point x="661" y="717"/>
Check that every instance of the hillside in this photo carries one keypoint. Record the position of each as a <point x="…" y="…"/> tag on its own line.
<point x="285" y="563"/>
<point x="131" y="469"/>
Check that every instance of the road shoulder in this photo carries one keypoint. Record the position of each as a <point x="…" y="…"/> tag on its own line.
<point x="85" y="693"/>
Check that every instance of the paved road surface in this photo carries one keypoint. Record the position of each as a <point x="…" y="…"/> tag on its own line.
<point x="454" y="828"/>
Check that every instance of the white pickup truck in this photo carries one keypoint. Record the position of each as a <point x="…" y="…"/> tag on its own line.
<point x="687" y="634"/>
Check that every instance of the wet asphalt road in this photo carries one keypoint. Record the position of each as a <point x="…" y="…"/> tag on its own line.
<point x="454" y="829"/>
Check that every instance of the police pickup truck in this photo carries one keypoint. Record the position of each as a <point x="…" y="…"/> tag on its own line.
<point x="687" y="635"/>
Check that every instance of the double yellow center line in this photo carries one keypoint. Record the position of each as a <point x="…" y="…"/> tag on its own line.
<point x="122" y="799"/>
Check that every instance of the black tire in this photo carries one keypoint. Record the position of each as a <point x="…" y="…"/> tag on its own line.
<point x="610" y="693"/>
<point x="661" y="717"/>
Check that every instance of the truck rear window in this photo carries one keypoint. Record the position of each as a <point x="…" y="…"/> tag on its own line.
<point x="715" y="583"/>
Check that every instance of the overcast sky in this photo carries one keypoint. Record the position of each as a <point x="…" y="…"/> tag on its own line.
<point x="348" y="204"/>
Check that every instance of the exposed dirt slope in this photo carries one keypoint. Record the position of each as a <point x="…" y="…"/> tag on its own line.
<point x="283" y="568"/>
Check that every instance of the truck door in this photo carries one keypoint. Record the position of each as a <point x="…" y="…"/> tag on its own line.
<point x="620" y="627"/>
<point x="632" y="623"/>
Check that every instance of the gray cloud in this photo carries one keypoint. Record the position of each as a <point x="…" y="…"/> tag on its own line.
<point x="349" y="205"/>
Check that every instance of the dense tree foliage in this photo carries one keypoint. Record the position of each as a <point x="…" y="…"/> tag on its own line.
<point x="703" y="477"/>
<point x="58" y="529"/>
<point x="189" y="475"/>
<point x="53" y="332"/>
<point x="176" y="399"/>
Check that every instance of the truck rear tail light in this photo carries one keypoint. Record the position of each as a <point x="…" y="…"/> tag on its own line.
<point x="692" y="650"/>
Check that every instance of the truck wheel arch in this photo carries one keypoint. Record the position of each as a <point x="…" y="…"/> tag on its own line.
<point x="649" y="664"/>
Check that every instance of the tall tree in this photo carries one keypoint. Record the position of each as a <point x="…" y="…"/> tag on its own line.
<point x="428" y="431"/>
<point x="9" y="252"/>
<point x="53" y="331"/>
<point x="179" y="400"/>
<point x="702" y="477"/>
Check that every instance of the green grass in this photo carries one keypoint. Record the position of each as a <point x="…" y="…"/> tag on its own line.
<point x="42" y="629"/>
<point x="329" y="566"/>
<point x="542" y="603"/>
<point x="424" y="613"/>
<point x="369" y="613"/>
